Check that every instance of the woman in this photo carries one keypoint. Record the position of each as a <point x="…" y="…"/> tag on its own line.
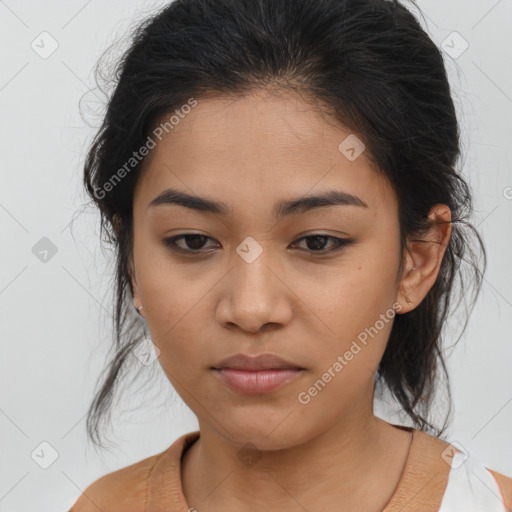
<point x="278" y="179"/>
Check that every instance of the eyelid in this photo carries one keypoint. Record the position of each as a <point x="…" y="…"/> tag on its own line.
<point x="340" y="243"/>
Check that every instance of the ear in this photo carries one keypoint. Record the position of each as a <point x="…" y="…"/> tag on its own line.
<point x="117" y="224"/>
<point x="423" y="258"/>
<point x="133" y="280"/>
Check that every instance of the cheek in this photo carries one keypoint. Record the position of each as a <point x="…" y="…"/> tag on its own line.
<point x="355" y="294"/>
<point x="174" y="304"/>
<point x="348" y="355"/>
<point x="354" y="312"/>
<point x="169" y="289"/>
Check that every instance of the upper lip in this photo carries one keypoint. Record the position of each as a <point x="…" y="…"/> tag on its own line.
<point x="256" y="362"/>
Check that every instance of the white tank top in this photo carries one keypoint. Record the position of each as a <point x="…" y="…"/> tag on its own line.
<point x="471" y="487"/>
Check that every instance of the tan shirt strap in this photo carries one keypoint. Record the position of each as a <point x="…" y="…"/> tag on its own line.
<point x="425" y="476"/>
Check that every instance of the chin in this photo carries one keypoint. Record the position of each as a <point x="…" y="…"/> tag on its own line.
<point x="263" y="435"/>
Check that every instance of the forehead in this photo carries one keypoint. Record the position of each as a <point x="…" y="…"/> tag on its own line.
<point x="256" y="149"/>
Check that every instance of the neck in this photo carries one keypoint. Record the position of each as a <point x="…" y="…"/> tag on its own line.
<point x="348" y="465"/>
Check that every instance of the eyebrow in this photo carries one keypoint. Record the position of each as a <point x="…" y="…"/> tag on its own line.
<point x="280" y="210"/>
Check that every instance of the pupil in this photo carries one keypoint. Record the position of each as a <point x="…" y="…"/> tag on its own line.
<point x="195" y="237"/>
<point x="316" y="239"/>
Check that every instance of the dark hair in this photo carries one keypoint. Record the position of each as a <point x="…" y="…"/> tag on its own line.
<point x="370" y="64"/>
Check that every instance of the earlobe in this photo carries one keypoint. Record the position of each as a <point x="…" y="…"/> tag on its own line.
<point x="133" y="280"/>
<point x="423" y="258"/>
<point x="136" y="296"/>
<point x="117" y="225"/>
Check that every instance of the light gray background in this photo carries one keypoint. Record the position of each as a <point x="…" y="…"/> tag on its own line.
<point x="55" y="315"/>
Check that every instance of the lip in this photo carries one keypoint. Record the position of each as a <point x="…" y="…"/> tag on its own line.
<point x="255" y="374"/>
<point x="266" y="361"/>
<point x="257" y="381"/>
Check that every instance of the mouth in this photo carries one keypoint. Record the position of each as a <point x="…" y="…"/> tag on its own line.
<point x="263" y="373"/>
<point x="257" y="381"/>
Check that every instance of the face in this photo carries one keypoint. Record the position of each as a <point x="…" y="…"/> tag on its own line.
<point x="315" y="284"/>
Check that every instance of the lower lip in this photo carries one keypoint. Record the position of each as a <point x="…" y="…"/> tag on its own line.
<point x="257" y="381"/>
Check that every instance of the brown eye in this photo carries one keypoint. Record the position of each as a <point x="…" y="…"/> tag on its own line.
<point x="193" y="242"/>
<point x="316" y="243"/>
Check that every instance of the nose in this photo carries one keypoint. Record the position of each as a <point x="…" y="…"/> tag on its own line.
<point x="255" y="296"/>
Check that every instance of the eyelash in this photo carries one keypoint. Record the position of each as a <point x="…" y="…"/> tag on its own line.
<point x="341" y="243"/>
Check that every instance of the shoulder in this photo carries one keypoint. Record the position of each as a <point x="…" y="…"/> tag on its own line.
<point x="123" y="490"/>
<point x="505" y="485"/>
<point x="133" y="488"/>
<point x="473" y="486"/>
<point x="440" y="476"/>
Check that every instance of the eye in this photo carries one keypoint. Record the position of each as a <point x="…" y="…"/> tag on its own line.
<point x="195" y="243"/>
<point x="315" y="243"/>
